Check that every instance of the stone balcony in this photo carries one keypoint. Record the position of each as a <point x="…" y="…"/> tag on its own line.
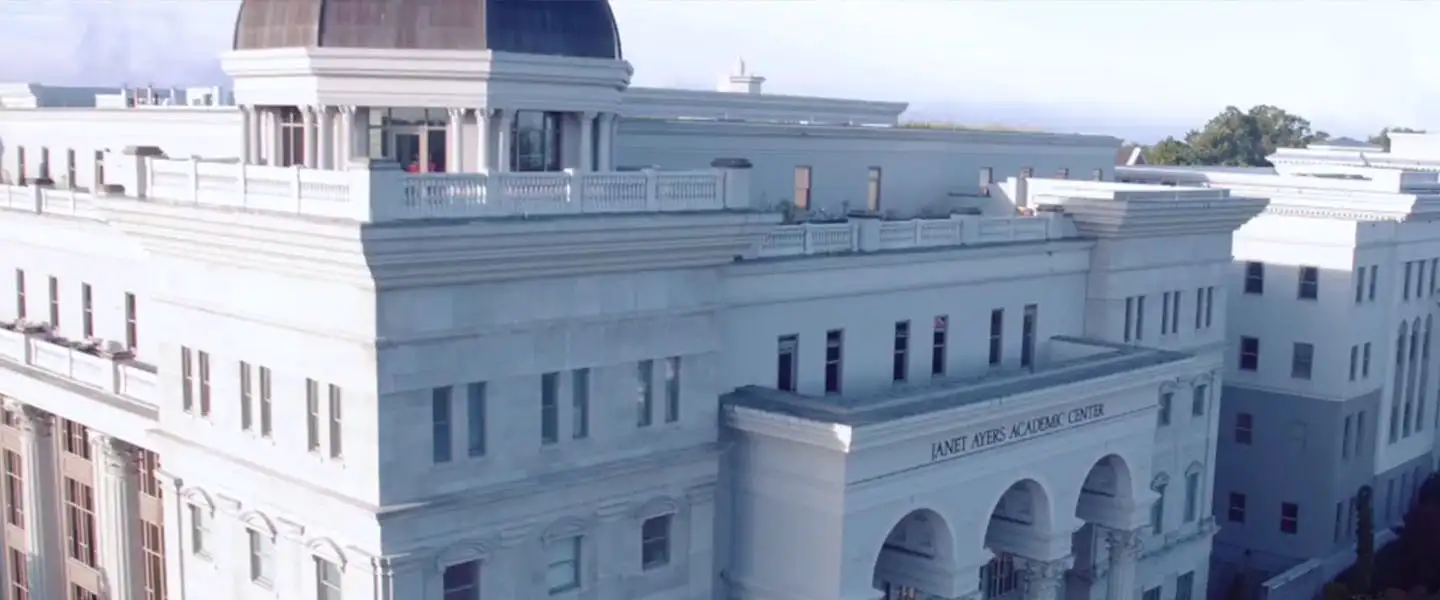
<point x="117" y="375"/>
<point x="873" y="234"/>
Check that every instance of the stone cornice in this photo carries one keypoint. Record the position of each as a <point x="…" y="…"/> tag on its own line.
<point x="777" y="425"/>
<point x="1151" y="217"/>
<point x="1034" y="141"/>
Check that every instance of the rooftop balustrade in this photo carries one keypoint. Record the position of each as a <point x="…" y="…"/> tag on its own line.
<point x="873" y="234"/>
<point x="116" y="374"/>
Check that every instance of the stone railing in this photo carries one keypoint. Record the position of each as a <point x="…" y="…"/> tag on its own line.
<point x="43" y="199"/>
<point x="117" y="376"/>
<point x="381" y="191"/>
<point x="871" y="235"/>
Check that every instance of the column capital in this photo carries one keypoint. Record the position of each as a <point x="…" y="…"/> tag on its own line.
<point x="1124" y="543"/>
<point x="31" y="420"/>
<point x="117" y="454"/>
<point x="456" y="112"/>
<point x="1036" y="570"/>
<point x="346" y="109"/>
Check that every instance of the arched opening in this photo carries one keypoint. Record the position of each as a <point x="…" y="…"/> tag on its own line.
<point x="1020" y="518"/>
<point x="915" y="560"/>
<point x="1107" y="502"/>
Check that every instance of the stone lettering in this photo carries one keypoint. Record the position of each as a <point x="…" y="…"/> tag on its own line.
<point x="960" y="445"/>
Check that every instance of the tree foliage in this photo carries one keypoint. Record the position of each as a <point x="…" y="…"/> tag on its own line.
<point x="1363" y="573"/>
<point x="1237" y="138"/>
<point x="1382" y="139"/>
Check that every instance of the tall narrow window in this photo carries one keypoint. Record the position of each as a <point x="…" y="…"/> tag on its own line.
<point x="246" y="396"/>
<point x="802" y="187"/>
<point x="152" y="545"/>
<point x="672" y="389"/>
<point x="1199" y="398"/>
<point x="834" y="349"/>
<point x="475" y="407"/>
<point x="203" y="358"/>
<point x="1027" y="335"/>
<point x="1162" y="416"/>
<point x="262" y="558"/>
<point x="80" y="522"/>
<point x="440" y="425"/>
<point x="1359" y="285"/>
<point x="549" y="408"/>
<point x="327" y="580"/>
<point x="336" y="435"/>
<point x="265" y="407"/>
<point x="1289" y="517"/>
<point x="1310" y="283"/>
<point x="1345" y="438"/>
<point x="1249" y="353"/>
<point x="1254" y="278"/>
<point x="579" y="403"/>
<point x="1199" y="308"/>
<point x="1165" y="313"/>
<point x="786" y="367"/>
<point x="1374" y="276"/>
<point x="1302" y="360"/>
<point x="1157" y="510"/>
<point x="1236" y="512"/>
<point x="937" y="345"/>
<point x="1409" y="272"/>
<point x="87" y="312"/>
<point x="1209" y="305"/>
<point x="1192" y="495"/>
<point x="1129" y="319"/>
<point x="19" y="565"/>
<point x="461" y="581"/>
<point x="872" y="201"/>
<point x="20" y="294"/>
<point x="187" y="380"/>
<point x="1244" y="428"/>
<point x="1365" y="360"/>
<point x="1175" y="311"/>
<point x="1354" y="362"/>
<point x="132" y="328"/>
<point x="899" y="363"/>
<point x="645" y="393"/>
<point x="54" y="303"/>
<point x="312" y="415"/>
<point x="1140" y="317"/>
<point x="997" y="335"/>
<point x="14" y="489"/>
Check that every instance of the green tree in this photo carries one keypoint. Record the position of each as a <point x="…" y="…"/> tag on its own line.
<point x="1169" y="151"/>
<point x="1237" y="138"/>
<point x="1382" y="139"/>
<point x="1363" y="573"/>
<point x="1280" y="129"/>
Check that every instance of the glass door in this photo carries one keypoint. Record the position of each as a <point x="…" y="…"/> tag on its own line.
<point x="406" y="146"/>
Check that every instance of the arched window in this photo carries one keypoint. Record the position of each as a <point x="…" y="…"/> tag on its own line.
<point x="1157" y="510"/>
<point x="1398" y="392"/>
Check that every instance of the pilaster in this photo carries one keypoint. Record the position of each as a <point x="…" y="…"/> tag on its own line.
<point x="504" y="118"/>
<point x="174" y="540"/>
<point x="606" y="131"/>
<point x="455" y="142"/>
<point x="324" y="130"/>
<point x="701" y="543"/>
<point x="42" y="514"/>
<point x="613" y="552"/>
<point x="247" y="141"/>
<point x="345" y="144"/>
<point x="587" y="142"/>
<point x="1043" y="579"/>
<point x="483" y="125"/>
<point x="307" y="122"/>
<point x="1124" y="552"/>
<point x="118" y="512"/>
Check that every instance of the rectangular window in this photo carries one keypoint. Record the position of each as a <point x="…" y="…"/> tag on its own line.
<point x="246" y="396"/>
<point x="20" y="294"/>
<point x="1339" y="520"/>
<point x="262" y="558"/>
<point x="187" y="380"/>
<point x="1289" y="517"/>
<point x="1309" y="283"/>
<point x="1175" y="311"/>
<point x="87" y="311"/>
<point x="1129" y="319"/>
<point x="1153" y="593"/>
<point x="1249" y="354"/>
<point x="655" y="542"/>
<point x="336" y="433"/>
<point x="1434" y="274"/>
<point x="1365" y="361"/>
<point x="1165" y="313"/>
<point x="312" y="415"/>
<point x="1028" y="322"/>
<point x="1192" y="495"/>
<point x="19" y="565"/>
<point x="1199" y="308"/>
<point x="1139" y="317"/>
<point x="153" y="546"/>
<point x="580" y="404"/>
<point x="1345" y="437"/>
<point x="1244" y="428"/>
<point x="1374" y="276"/>
<point x="327" y="580"/>
<point x="672" y="389"/>
<point x="475" y="407"/>
<point x="563" y="571"/>
<point x="14" y="489"/>
<point x="1198" y="399"/>
<point x="1302" y="359"/>
<point x="265" y="407"/>
<point x="199" y="531"/>
<point x="1209" y="305"/>
<point x="899" y="364"/>
<point x="1162" y="416"/>
<point x="78" y="592"/>
<point x="54" y="303"/>
<point x="645" y="393"/>
<point x="149" y="480"/>
<point x="132" y="327"/>
<point x="872" y="200"/>
<point x="440" y="424"/>
<point x="1409" y="268"/>
<point x="1354" y="362"/>
<point x="1185" y="586"/>
<point x="834" y="357"/>
<point x="462" y="581"/>
<point x="203" y="358"/>
<point x="550" y="408"/>
<point x="786" y="367"/>
<point x="80" y="522"/>
<point x="1157" y="510"/>
<point x="1254" y="278"/>
<point x="1237" y="507"/>
<point x="76" y="438"/>
<point x="802" y="187"/>
<point x="997" y="335"/>
<point x="1359" y="285"/>
<point x="937" y="345"/>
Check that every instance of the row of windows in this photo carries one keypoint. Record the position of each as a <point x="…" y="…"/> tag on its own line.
<point x="1353" y="444"/>
<point x="1243" y="432"/>
<point x="1307" y="288"/>
<point x="1414" y="286"/>
<point x="1199" y="398"/>
<point x="1170" y="311"/>
<point x="1302" y="357"/>
<point x="1412" y="379"/>
<point x="1289" y="513"/>
<point x="1365" y="278"/>
<point x="87" y="309"/>
<point x="261" y="556"/>
<point x="1191" y="507"/>
<point x="255" y="385"/>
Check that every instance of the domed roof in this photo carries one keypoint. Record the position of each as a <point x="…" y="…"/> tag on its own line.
<point x="575" y="28"/>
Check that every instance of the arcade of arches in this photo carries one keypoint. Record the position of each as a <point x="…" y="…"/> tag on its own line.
<point x="1030" y="558"/>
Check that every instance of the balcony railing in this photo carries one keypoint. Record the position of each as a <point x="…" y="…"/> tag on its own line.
<point x="871" y="235"/>
<point x="117" y="376"/>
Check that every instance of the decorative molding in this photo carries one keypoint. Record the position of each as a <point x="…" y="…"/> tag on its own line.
<point x="463" y="552"/>
<point x="258" y="522"/>
<point x="1160" y="480"/>
<point x="328" y="550"/>
<point x="1195" y="467"/>
<point x="564" y="528"/>
<point x="33" y="421"/>
<point x="228" y="504"/>
<point x="701" y="494"/>
<point x="512" y="536"/>
<point x="1123" y="544"/>
<point x="195" y="496"/>
<point x="655" y="507"/>
<point x="1170" y="385"/>
<point x="614" y="510"/>
<point x="116" y="455"/>
<point x="288" y="529"/>
<point x="1049" y="571"/>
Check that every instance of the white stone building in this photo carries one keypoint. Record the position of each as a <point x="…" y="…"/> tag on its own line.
<point x="463" y="316"/>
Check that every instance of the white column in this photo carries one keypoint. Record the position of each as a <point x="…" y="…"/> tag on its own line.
<point x="118" y="512"/>
<point x="247" y="126"/>
<point x="275" y="133"/>
<point x="503" y="119"/>
<point x="483" y="163"/>
<point x="360" y="135"/>
<point x="256" y="135"/>
<point x="346" y="143"/>
<point x="307" y="121"/>
<point x="607" y="142"/>
<point x="454" y="142"/>
<point x="587" y="142"/>
<point x="42" y="506"/>
<point x="324" y="131"/>
<point x="173" y="504"/>
<point x="1124" y="549"/>
<point x="1043" y="578"/>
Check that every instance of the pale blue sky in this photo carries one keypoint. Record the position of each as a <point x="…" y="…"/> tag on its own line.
<point x="1135" y="68"/>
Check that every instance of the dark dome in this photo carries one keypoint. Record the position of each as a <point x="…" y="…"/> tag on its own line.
<point x="576" y="28"/>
